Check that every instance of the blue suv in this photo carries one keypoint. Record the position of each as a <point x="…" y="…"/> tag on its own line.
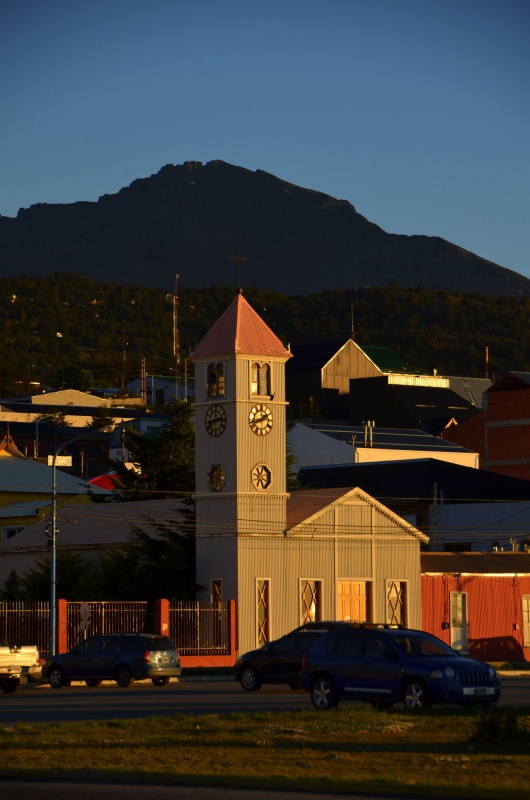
<point x="384" y="665"/>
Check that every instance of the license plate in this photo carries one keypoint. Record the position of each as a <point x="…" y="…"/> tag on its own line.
<point x="481" y="691"/>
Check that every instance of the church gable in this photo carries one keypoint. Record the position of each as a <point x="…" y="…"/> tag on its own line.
<point x="345" y="512"/>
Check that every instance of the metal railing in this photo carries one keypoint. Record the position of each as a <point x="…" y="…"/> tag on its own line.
<point x="199" y="628"/>
<point x="196" y="628"/>
<point x="107" y="617"/>
<point x="24" y="623"/>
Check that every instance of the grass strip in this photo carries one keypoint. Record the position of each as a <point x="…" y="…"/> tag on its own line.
<point x="434" y="752"/>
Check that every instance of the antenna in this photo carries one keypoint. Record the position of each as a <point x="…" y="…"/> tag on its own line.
<point x="238" y="258"/>
<point x="176" y="342"/>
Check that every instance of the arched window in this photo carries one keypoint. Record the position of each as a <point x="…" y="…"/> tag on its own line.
<point x="260" y="379"/>
<point x="216" y="380"/>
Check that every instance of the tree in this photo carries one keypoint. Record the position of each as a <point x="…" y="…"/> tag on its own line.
<point x="73" y="577"/>
<point x="166" y="458"/>
<point x="13" y="588"/>
<point x="147" y="567"/>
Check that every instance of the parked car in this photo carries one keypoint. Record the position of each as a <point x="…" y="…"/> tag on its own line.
<point x="121" y="657"/>
<point x="385" y="665"/>
<point x="280" y="661"/>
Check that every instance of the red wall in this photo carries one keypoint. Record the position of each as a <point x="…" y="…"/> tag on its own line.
<point x="494" y="613"/>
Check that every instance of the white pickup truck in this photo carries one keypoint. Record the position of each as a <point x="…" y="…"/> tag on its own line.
<point x="16" y="664"/>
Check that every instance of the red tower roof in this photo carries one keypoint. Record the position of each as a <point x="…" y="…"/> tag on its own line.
<point x="240" y="330"/>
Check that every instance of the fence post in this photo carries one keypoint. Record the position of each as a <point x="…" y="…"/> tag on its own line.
<point x="161" y="616"/>
<point x="61" y="645"/>
<point x="232" y="627"/>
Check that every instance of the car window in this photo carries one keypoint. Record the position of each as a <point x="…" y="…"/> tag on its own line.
<point x="422" y="644"/>
<point x="130" y="644"/>
<point x="286" y="643"/>
<point x="159" y="643"/>
<point x="377" y="648"/>
<point x="348" y="646"/>
<point x="112" y="644"/>
<point x="92" y="645"/>
<point x="302" y="643"/>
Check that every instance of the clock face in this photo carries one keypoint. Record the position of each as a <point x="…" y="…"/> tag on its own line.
<point x="216" y="477"/>
<point x="260" y="420"/>
<point x="215" y="420"/>
<point x="261" y="476"/>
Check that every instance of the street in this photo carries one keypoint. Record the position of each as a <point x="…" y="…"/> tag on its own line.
<point x="142" y="699"/>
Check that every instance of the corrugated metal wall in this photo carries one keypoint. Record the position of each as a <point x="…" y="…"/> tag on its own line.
<point x="494" y="612"/>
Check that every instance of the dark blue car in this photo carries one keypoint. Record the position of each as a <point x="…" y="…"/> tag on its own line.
<point x="120" y="657"/>
<point x="384" y="665"/>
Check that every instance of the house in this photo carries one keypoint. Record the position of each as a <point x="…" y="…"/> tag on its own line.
<point x="26" y="490"/>
<point x="500" y="430"/>
<point x="319" y="380"/>
<point x="87" y="529"/>
<point x="284" y="559"/>
<point x="458" y="507"/>
<point x="313" y="444"/>
<point x="161" y="389"/>
<point x="413" y="401"/>
<point x="479" y="603"/>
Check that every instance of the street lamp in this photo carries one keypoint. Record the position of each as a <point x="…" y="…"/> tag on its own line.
<point x="53" y="537"/>
<point x="37" y="423"/>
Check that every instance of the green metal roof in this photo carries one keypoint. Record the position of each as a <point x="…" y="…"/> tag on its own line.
<point x="384" y="358"/>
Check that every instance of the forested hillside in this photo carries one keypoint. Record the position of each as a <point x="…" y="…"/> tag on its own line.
<point x="68" y="330"/>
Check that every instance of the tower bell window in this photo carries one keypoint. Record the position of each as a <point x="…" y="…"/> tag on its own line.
<point x="260" y="380"/>
<point x="216" y="379"/>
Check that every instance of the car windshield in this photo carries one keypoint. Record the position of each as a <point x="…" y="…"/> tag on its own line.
<point x="421" y="644"/>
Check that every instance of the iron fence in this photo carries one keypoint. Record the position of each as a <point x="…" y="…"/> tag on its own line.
<point x="24" y="623"/>
<point x="199" y="628"/>
<point x="196" y="628"/>
<point x="94" y="619"/>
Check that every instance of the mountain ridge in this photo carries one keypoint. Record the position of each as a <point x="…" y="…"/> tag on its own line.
<point x="194" y="220"/>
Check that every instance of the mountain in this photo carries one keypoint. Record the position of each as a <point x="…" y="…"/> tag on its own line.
<point x="195" y="219"/>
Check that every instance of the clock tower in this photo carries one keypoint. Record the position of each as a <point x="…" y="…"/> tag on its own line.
<point x="240" y="437"/>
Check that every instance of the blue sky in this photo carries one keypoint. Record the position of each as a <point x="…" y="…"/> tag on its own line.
<point x="415" y="111"/>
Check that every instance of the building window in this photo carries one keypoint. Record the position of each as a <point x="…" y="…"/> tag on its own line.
<point x="216" y="379"/>
<point x="262" y="615"/>
<point x="260" y="379"/>
<point x="396" y="602"/>
<point x="526" y="620"/>
<point x="10" y="531"/>
<point x="311" y="605"/>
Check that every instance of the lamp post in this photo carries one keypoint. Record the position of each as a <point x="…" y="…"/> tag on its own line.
<point x="53" y="564"/>
<point x="37" y="423"/>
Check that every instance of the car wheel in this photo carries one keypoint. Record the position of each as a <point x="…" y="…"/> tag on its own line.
<point x="94" y="683"/>
<point x="56" y="677"/>
<point x="294" y="684"/>
<point x="123" y="677"/>
<point x="249" y="679"/>
<point x="10" y="685"/>
<point x="323" y="694"/>
<point x="415" y="695"/>
<point x="160" y="681"/>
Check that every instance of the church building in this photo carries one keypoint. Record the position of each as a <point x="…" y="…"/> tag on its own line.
<point x="285" y="559"/>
